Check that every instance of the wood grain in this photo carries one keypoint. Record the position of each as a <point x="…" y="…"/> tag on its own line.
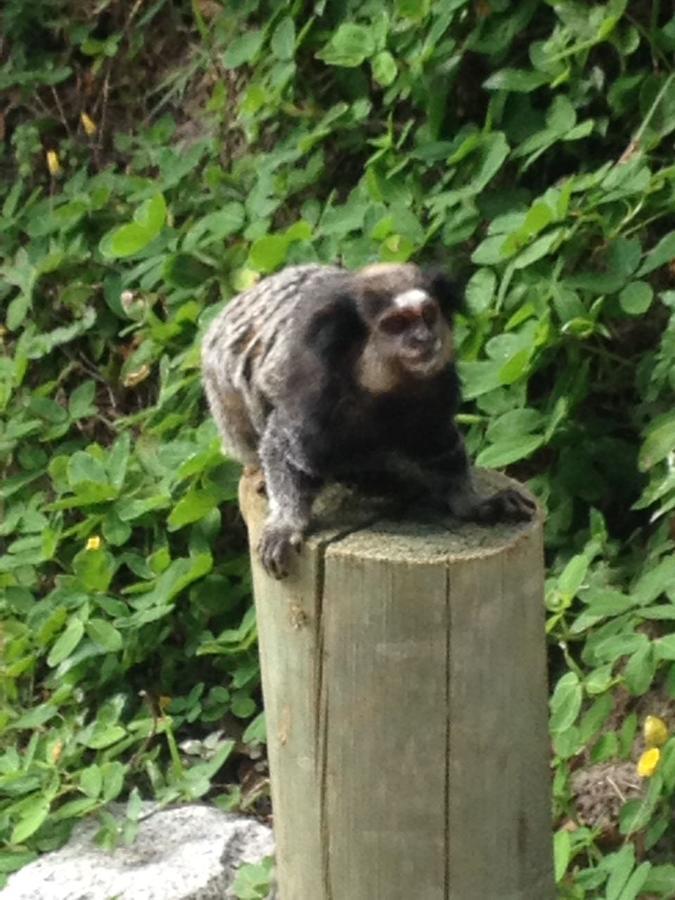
<point x="404" y="677"/>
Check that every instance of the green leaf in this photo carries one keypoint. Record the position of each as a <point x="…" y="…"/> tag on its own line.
<point x="128" y="240"/>
<point x="509" y="450"/>
<point x="613" y="648"/>
<point x="104" y="736"/>
<point x="182" y="270"/>
<point x="33" y="814"/>
<point x="384" y="68"/>
<point x="599" y="679"/>
<point x="622" y="864"/>
<point x="17" y="311"/>
<point x="243" y="49"/>
<point x="606" y="602"/>
<point x="113" y="780"/>
<point x="565" y="702"/>
<point x="81" y="401"/>
<point x="66" y="643"/>
<point x="664" y="647"/>
<point x="269" y="252"/>
<point x="242" y="705"/>
<point x="537" y="249"/>
<point x="516" y="367"/>
<point x="283" y="39"/>
<point x="480" y="291"/>
<point x="104" y="634"/>
<point x="349" y="46"/>
<point x="562" y="853"/>
<point x="118" y="460"/>
<point x="636" y="298"/>
<point x="640" y="670"/>
<point x="573" y="575"/>
<point x="595" y="717"/>
<point x="94" y="569"/>
<point x="479" y="377"/>
<point x="633" y="887"/>
<point x="180" y="574"/>
<point x="151" y="214"/>
<point x="517" y="80"/>
<point x="634" y="816"/>
<point x="256" y="732"/>
<point x="624" y="256"/>
<point x="192" y="507"/>
<point x="661" y="880"/>
<point x="489" y="251"/>
<point x="659" y="442"/>
<point x="91" y="781"/>
<point x="128" y="508"/>
<point x="492" y="153"/>
<point x="656" y="579"/>
<point x="662" y="253"/>
<point x="215" y="226"/>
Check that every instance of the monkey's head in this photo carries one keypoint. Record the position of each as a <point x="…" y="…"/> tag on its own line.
<point x="409" y="314"/>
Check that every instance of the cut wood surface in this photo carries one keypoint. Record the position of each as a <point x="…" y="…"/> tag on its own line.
<point x="404" y="679"/>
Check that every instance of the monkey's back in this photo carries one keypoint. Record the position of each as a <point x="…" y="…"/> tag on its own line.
<point x="247" y="350"/>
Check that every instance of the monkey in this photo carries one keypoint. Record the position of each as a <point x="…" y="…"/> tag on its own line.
<point x="320" y="374"/>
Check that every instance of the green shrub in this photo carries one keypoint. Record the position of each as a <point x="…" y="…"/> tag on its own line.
<point x="527" y="146"/>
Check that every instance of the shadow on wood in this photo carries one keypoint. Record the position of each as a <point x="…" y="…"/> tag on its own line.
<point x="404" y="678"/>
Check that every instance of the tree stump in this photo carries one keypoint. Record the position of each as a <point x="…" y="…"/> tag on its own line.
<point x="404" y="679"/>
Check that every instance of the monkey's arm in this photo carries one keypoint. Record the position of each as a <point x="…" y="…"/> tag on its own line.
<point x="291" y="488"/>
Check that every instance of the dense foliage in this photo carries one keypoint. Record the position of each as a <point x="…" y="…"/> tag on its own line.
<point x="157" y="157"/>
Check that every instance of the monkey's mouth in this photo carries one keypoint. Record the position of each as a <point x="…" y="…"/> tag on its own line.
<point x="423" y="364"/>
<point x="423" y="356"/>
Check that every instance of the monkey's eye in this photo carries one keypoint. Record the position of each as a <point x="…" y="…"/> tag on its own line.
<point x="395" y="324"/>
<point x="429" y="314"/>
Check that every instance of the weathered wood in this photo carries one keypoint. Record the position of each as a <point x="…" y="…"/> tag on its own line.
<point x="404" y="679"/>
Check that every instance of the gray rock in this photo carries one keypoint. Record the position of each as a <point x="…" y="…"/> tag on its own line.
<point x="186" y="853"/>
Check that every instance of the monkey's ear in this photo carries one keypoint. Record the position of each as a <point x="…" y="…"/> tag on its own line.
<point x="335" y="328"/>
<point x="446" y="291"/>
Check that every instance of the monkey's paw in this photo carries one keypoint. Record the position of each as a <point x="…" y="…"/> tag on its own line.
<point x="505" y="506"/>
<point x="276" y="546"/>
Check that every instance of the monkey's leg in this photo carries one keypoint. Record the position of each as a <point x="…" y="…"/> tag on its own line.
<point x="449" y="474"/>
<point x="507" y="505"/>
<point x="290" y="492"/>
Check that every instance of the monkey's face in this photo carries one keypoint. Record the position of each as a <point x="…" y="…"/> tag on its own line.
<point x="413" y="335"/>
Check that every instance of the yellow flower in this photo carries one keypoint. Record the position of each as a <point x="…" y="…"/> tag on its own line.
<point x="56" y="751"/>
<point x="53" y="163"/>
<point x="649" y="762"/>
<point x="655" y="731"/>
<point x="88" y="124"/>
<point x="134" y="378"/>
<point x="94" y="543"/>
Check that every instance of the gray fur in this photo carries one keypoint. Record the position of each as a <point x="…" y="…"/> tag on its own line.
<point x="245" y="352"/>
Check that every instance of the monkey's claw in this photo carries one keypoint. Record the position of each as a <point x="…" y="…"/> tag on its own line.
<point x="506" y="506"/>
<point x="276" y="547"/>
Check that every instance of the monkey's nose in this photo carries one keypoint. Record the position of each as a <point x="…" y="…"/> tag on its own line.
<point x="424" y="341"/>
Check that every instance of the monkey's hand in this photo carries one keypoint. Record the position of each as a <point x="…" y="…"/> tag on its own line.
<point x="505" y="506"/>
<point x="278" y="542"/>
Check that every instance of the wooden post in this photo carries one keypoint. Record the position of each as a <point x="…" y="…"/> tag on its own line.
<point x="404" y="678"/>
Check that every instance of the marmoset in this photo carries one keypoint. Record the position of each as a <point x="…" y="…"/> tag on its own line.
<point x="318" y="374"/>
